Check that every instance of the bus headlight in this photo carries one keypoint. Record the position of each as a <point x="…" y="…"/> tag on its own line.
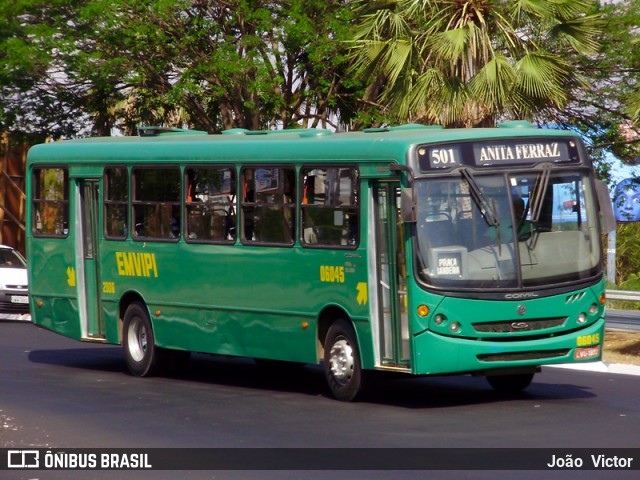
<point x="454" y="327"/>
<point x="439" y="319"/>
<point x="593" y="309"/>
<point x="582" y="318"/>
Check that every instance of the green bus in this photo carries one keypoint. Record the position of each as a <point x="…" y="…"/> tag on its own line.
<point x="412" y="249"/>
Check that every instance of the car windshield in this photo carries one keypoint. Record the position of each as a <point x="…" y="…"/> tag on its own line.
<point x="10" y="259"/>
<point x="506" y="230"/>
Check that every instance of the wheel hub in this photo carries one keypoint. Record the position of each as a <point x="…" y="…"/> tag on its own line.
<point x="137" y="340"/>
<point x="342" y="362"/>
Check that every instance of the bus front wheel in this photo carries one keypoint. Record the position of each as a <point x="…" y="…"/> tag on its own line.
<point x="141" y="354"/>
<point x="342" y="362"/>
<point x="510" y="383"/>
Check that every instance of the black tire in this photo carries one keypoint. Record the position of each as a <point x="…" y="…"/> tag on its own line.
<point x="141" y="354"/>
<point x="510" y="383"/>
<point x="342" y="362"/>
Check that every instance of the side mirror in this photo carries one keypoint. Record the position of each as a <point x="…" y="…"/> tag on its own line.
<point x="607" y="216"/>
<point x="408" y="205"/>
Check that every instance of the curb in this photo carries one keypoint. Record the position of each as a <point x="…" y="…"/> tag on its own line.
<point x="16" y="317"/>
<point x="602" y="367"/>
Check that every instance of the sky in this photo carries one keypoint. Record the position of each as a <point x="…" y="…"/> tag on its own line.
<point x="621" y="171"/>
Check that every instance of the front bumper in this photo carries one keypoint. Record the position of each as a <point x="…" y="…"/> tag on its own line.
<point x="14" y="302"/>
<point x="440" y="354"/>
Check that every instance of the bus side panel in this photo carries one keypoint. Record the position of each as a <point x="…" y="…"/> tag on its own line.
<point x="260" y="302"/>
<point x="52" y="281"/>
<point x="111" y="315"/>
<point x="259" y="335"/>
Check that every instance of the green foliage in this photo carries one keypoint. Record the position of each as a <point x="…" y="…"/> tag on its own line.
<point x="206" y="64"/>
<point x="30" y="101"/>
<point x="77" y="67"/>
<point x="605" y="107"/>
<point x="628" y="254"/>
<point x="466" y="63"/>
<point x="632" y="284"/>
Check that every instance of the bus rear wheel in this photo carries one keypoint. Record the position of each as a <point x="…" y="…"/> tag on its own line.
<point x="510" y="383"/>
<point x="342" y="362"/>
<point x="141" y="354"/>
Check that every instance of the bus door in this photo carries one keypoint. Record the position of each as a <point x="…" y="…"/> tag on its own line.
<point x="389" y="294"/>
<point x="87" y="276"/>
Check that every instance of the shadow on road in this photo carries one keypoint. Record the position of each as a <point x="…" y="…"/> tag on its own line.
<point x="387" y="389"/>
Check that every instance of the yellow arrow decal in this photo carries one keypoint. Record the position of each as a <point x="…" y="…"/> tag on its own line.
<point x="363" y="295"/>
<point x="71" y="276"/>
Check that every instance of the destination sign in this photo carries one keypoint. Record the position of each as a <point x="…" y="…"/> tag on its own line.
<point x="498" y="153"/>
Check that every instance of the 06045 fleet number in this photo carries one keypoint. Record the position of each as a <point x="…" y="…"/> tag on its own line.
<point x="331" y="274"/>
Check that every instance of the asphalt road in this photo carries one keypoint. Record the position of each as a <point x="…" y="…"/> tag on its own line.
<point x="58" y="393"/>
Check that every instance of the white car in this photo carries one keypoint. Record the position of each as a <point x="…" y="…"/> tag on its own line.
<point x="14" y="285"/>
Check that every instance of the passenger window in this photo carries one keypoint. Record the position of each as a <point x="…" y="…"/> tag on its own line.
<point x="210" y="205"/>
<point x="50" y="202"/>
<point x="268" y="205"/>
<point x="156" y="203"/>
<point x="330" y="207"/>
<point x="116" y="202"/>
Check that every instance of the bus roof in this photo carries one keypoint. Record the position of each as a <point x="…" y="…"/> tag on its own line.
<point x="158" y="144"/>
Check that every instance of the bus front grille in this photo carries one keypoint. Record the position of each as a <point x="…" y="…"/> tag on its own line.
<point x="515" y="326"/>
<point x="515" y="356"/>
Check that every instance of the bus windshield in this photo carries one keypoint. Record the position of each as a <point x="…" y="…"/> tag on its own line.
<point x="506" y="230"/>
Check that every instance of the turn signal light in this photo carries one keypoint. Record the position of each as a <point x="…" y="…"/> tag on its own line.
<point x="423" y="310"/>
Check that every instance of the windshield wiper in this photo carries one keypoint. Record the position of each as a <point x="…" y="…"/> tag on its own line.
<point x="539" y="192"/>
<point x="536" y="200"/>
<point x="479" y="198"/>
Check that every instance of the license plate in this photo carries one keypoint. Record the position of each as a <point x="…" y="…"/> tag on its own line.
<point x="19" y="299"/>
<point x="587" y="352"/>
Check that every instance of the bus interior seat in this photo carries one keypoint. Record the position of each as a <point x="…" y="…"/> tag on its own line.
<point x="310" y="236"/>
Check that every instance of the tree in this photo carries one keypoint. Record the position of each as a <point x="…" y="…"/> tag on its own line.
<point x="606" y="109"/>
<point x="469" y="62"/>
<point x="205" y="64"/>
<point x="218" y="65"/>
<point x="32" y="98"/>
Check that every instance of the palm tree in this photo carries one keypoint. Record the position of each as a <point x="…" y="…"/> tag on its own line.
<point x="468" y="62"/>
